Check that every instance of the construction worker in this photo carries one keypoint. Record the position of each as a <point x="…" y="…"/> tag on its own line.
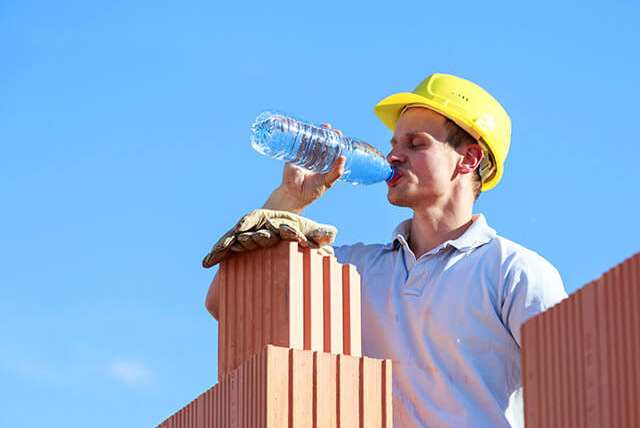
<point x="444" y="299"/>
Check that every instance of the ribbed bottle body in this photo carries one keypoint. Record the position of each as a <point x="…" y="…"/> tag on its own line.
<point x="280" y="136"/>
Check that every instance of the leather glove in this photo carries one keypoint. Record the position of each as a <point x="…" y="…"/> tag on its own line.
<point x="263" y="228"/>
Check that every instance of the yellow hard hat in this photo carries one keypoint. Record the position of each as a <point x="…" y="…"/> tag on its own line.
<point x="469" y="106"/>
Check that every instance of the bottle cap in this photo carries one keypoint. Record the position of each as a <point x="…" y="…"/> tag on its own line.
<point x="392" y="176"/>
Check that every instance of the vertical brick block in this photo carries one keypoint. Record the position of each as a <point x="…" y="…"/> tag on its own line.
<point x="387" y="410"/>
<point x="305" y="303"/>
<point x="277" y="386"/>
<point x="286" y="296"/>
<point x="325" y="386"/>
<point x="371" y="392"/>
<point x="632" y="279"/>
<point x="333" y="330"/>
<point x="349" y="387"/>
<point x="581" y="358"/>
<point x="301" y="396"/>
<point x="352" y="340"/>
<point x="285" y="388"/>
<point x="530" y="348"/>
<point x="313" y="301"/>
<point x="261" y="302"/>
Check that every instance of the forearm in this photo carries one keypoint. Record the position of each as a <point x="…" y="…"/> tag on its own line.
<point x="281" y="201"/>
<point x="212" y="301"/>
<point x="300" y="187"/>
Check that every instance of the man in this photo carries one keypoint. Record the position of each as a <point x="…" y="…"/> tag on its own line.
<point x="446" y="298"/>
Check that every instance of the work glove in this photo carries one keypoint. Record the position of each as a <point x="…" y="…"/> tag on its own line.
<point x="263" y="228"/>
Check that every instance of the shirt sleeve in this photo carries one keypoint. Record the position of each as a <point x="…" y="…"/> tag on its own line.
<point x="532" y="285"/>
<point x="357" y="254"/>
<point x="344" y="253"/>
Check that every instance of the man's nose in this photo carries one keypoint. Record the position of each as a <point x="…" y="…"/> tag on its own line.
<point x="395" y="157"/>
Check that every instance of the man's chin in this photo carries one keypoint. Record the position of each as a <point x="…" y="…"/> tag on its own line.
<point x="396" y="199"/>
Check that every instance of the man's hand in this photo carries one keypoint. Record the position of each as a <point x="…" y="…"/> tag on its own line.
<point x="278" y="219"/>
<point x="300" y="186"/>
<point x="263" y="228"/>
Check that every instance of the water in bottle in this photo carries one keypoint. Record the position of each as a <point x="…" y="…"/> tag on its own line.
<point x="281" y="136"/>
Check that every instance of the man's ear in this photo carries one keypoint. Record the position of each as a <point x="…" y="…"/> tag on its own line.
<point x="470" y="160"/>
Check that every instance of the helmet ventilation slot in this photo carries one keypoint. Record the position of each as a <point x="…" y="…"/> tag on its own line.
<point x="460" y="95"/>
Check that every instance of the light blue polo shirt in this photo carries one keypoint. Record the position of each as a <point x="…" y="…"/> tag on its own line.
<point x="450" y="321"/>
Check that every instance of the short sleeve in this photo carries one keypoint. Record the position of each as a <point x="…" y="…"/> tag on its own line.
<point x="356" y="254"/>
<point x="532" y="285"/>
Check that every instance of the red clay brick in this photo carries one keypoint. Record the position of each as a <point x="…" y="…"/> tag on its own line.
<point x="286" y="296"/>
<point x="313" y="298"/>
<point x="352" y="342"/>
<point x="581" y="358"/>
<point x="285" y="388"/>
<point x="349" y="397"/>
<point x="332" y="305"/>
<point x="305" y="303"/>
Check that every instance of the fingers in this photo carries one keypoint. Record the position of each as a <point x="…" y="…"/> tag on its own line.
<point x="220" y="250"/>
<point x="337" y="131"/>
<point x="268" y="227"/>
<point x="291" y="234"/>
<point x="237" y="247"/>
<point x="261" y="238"/>
<point x="213" y="258"/>
<point x="326" y="251"/>
<point x="250" y="221"/>
<point x="266" y="238"/>
<point x="336" y="171"/>
<point x="247" y="241"/>
<point x="225" y="242"/>
<point x="322" y="236"/>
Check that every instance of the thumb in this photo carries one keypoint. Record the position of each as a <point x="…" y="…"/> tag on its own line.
<point x="336" y="172"/>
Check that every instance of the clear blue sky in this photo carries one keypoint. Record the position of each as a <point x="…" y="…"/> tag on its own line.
<point x="125" y="154"/>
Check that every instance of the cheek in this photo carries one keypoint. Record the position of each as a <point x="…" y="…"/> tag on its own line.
<point x="437" y="169"/>
<point x="430" y="167"/>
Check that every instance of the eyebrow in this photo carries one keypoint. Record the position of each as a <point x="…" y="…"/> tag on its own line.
<point x="410" y="135"/>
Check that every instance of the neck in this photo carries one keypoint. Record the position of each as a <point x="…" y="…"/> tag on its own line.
<point x="435" y="224"/>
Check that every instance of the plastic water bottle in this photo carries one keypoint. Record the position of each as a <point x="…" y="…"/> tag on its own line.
<point x="281" y="136"/>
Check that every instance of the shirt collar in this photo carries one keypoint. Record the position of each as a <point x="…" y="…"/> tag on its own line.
<point x="399" y="236"/>
<point x="479" y="233"/>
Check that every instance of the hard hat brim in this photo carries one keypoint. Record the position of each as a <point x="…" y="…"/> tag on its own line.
<point x="390" y="108"/>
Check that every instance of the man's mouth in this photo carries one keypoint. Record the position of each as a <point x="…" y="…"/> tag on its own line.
<point x="396" y="178"/>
